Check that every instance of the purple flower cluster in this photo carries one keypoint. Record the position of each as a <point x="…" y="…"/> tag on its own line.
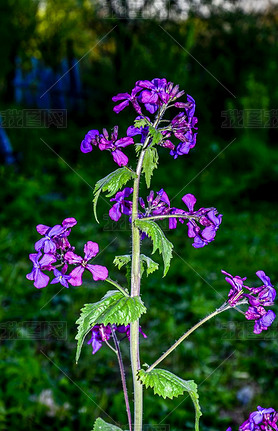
<point x="152" y="94"/>
<point x="262" y="419"/>
<point x="103" y="142"/>
<point x="208" y="218"/>
<point x="257" y="298"/>
<point x="202" y="224"/>
<point x="57" y="249"/>
<point x="155" y="96"/>
<point x="102" y="333"/>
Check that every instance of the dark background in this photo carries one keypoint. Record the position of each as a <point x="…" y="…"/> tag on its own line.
<point x="223" y="55"/>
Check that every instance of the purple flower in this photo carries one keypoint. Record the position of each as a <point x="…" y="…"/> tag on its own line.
<point x="61" y="277"/>
<point x="114" y="144"/>
<point x="264" y="322"/>
<point x="98" y="272"/>
<point x="236" y="291"/>
<point x="185" y="146"/>
<point x="101" y="333"/>
<point x="263" y="419"/>
<point x="126" y="99"/>
<point x="157" y="92"/>
<point x="153" y="94"/>
<point x="48" y="243"/>
<point x="122" y="206"/>
<point x="40" y="279"/>
<point x="91" y="138"/>
<point x="54" y="235"/>
<point x="159" y="205"/>
<point x="257" y="297"/>
<point x="207" y="217"/>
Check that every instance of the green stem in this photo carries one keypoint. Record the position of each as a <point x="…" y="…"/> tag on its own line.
<point x="184" y="336"/>
<point x="135" y="289"/>
<point x="117" y="285"/>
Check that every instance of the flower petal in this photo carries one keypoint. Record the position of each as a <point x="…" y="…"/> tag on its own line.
<point x="91" y="249"/>
<point x="189" y="201"/>
<point x="76" y="276"/>
<point x="98" y="272"/>
<point x="120" y="158"/>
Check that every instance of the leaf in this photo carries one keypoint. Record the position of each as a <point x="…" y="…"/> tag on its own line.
<point x="120" y="261"/>
<point x="141" y="123"/>
<point x="114" y="308"/>
<point x="112" y="183"/>
<point x="150" y="264"/>
<point x="150" y="163"/>
<point x="155" y="134"/>
<point x="146" y="263"/>
<point x="168" y="385"/>
<point x="101" y="425"/>
<point x="160" y="242"/>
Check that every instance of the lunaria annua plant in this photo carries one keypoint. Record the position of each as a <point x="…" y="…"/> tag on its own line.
<point x="119" y="311"/>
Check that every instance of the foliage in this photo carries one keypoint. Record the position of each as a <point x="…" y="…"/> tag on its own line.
<point x="168" y="385"/>
<point x="113" y="308"/>
<point x="160" y="242"/>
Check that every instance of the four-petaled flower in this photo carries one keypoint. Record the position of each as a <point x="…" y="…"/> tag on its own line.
<point x="103" y="142"/>
<point x="98" y="272"/>
<point x="114" y="144"/>
<point x="61" y="277"/>
<point x="40" y="264"/>
<point x="122" y="206"/>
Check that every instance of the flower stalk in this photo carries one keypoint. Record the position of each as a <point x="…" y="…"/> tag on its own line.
<point x="184" y="336"/>
<point x="122" y="372"/>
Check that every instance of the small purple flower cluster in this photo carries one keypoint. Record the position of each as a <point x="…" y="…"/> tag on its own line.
<point x="159" y="205"/>
<point x="102" y="333"/>
<point x="57" y="249"/>
<point x="155" y="95"/>
<point x="257" y="298"/>
<point x="261" y="420"/>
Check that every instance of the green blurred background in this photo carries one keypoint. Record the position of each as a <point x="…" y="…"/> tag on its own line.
<point x="225" y="56"/>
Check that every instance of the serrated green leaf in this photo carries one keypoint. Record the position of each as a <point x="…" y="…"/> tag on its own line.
<point x="146" y="263"/>
<point x="155" y="134"/>
<point x="160" y="242"/>
<point x="112" y="183"/>
<point x="113" y="308"/>
<point x="150" y="163"/>
<point x="120" y="261"/>
<point x="168" y="385"/>
<point x="141" y="123"/>
<point x="101" y="425"/>
<point x="150" y="264"/>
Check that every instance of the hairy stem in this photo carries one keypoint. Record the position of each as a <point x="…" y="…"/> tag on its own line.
<point x="184" y="336"/>
<point x="135" y="289"/>
<point x="122" y="371"/>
